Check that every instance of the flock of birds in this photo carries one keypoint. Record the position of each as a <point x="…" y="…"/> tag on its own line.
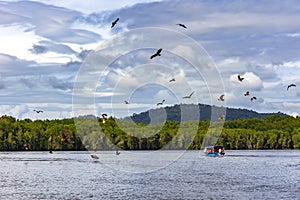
<point x="156" y="54"/>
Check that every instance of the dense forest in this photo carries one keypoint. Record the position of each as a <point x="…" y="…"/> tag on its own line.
<point x="271" y="132"/>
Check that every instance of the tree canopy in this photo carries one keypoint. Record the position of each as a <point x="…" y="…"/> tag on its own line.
<point x="271" y="132"/>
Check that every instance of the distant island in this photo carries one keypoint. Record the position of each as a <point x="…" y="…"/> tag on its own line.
<point x="240" y="129"/>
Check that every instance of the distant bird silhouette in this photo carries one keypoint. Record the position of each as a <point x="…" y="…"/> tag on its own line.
<point x="104" y="116"/>
<point x="189" y="96"/>
<point x="38" y="111"/>
<point x="172" y="80"/>
<point x="117" y="153"/>
<point x="182" y="25"/>
<point x="114" y="23"/>
<point x="94" y="156"/>
<point x="291" y="85"/>
<point x="156" y="54"/>
<point x="240" y="78"/>
<point x="126" y="102"/>
<point x="221" y="98"/>
<point x="247" y="93"/>
<point x="253" y="98"/>
<point x="160" y="103"/>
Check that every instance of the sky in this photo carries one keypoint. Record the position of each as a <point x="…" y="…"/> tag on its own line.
<point x="64" y="58"/>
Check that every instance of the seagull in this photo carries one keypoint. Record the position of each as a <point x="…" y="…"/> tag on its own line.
<point x="189" y="96"/>
<point x="253" y="98"/>
<point x="126" y="102"/>
<point x="94" y="156"/>
<point x="173" y="79"/>
<point x="156" y="54"/>
<point x="291" y="85"/>
<point x="247" y="93"/>
<point x="38" y="111"/>
<point x="114" y="23"/>
<point x="240" y="78"/>
<point x="221" y="98"/>
<point x="160" y="103"/>
<point x="104" y="117"/>
<point x="182" y="25"/>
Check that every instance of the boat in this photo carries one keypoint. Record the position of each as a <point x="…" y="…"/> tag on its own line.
<point x="214" y="151"/>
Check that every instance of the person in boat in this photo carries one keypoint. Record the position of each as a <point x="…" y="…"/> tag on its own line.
<point x="220" y="151"/>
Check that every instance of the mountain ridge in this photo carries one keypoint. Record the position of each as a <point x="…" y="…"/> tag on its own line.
<point x="205" y="112"/>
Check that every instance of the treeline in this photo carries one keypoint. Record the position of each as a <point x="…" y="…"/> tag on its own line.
<point x="273" y="132"/>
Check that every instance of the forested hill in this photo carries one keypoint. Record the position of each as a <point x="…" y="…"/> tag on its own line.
<point x="206" y="112"/>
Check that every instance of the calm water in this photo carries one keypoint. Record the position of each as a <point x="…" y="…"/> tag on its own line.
<point x="148" y="175"/>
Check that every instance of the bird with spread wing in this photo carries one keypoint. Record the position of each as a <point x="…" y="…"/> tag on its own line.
<point x="156" y="54"/>
<point x="189" y="96"/>
<point x="114" y="23"/>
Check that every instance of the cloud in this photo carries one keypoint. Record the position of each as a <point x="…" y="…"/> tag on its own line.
<point x="56" y="83"/>
<point x="46" y="46"/>
<point x="41" y="52"/>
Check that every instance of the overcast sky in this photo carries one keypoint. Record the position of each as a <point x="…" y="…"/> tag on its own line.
<point x="64" y="58"/>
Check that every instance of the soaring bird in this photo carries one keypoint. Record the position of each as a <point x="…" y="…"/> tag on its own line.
<point x="240" y="78"/>
<point x="126" y="102"/>
<point x="253" y="98"/>
<point x="103" y="117"/>
<point x="189" y="96"/>
<point x="94" y="156"/>
<point x="247" y="93"/>
<point x="114" y="23"/>
<point x="160" y="103"/>
<point x="172" y="80"/>
<point x="156" y="54"/>
<point x="182" y="25"/>
<point x="38" y="111"/>
<point x="291" y="85"/>
<point x="221" y="98"/>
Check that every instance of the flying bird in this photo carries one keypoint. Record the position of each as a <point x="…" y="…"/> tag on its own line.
<point x="160" y="103"/>
<point x="247" y="93"/>
<point x="189" y="96"/>
<point x="94" y="156"/>
<point x="291" y="85"/>
<point x="253" y="98"/>
<point x="172" y="80"/>
<point x="156" y="54"/>
<point x="104" y="116"/>
<point x="114" y="23"/>
<point x="221" y="98"/>
<point x="182" y="25"/>
<point x="38" y="111"/>
<point x="240" y="78"/>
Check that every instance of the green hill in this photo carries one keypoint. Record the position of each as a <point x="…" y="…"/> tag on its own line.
<point x="188" y="112"/>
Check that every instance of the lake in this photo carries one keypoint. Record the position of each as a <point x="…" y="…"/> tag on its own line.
<point x="266" y="174"/>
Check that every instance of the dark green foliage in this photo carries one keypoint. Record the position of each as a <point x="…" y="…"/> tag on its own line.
<point x="272" y="132"/>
